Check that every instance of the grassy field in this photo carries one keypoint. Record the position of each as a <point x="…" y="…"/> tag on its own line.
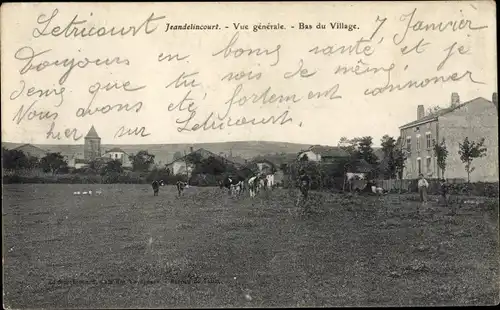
<point x="129" y="249"/>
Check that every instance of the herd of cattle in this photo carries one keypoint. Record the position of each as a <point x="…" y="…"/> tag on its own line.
<point x="236" y="185"/>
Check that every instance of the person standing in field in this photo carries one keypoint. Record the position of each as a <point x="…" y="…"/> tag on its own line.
<point x="304" y="186"/>
<point x="444" y="191"/>
<point x="423" y="185"/>
<point x="156" y="187"/>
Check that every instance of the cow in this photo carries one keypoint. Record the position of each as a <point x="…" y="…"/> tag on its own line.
<point x="253" y="185"/>
<point x="270" y="181"/>
<point x="156" y="187"/>
<point x="356" y="182"/>
<point x="264" y="182"/>
<point x="237" y="189"/>
<point x="180" y="187"/>
<point x="234" y="185"/>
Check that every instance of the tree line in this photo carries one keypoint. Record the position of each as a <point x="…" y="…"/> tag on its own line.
<point x="359" y="149"/>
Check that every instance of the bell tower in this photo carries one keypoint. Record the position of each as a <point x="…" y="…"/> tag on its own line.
<point x="92" y="147"/>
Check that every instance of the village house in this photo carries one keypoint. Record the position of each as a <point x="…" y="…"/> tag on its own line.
<point x="120" y="155"/>
<point x="475" y="119"/>
<point x="185" y="166"/>
<point x="31" y="150"/>
<point x="319" y="153"/>
<point x="272" y="164"/>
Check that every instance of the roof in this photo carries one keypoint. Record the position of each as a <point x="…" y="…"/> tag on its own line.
<point x="331" y="151"/>
<point x="435" y="115"/>
<point x="237" y="160"/>
<point x="204" y="153"/>
<point x="92" y="133"/>
<point x="31" y="149"/>
<point x="276" y="159"/>
<point x="115" y="149"/>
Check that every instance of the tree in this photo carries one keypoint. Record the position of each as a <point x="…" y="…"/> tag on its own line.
<point x="167" y="170"/>
<point x="470" y="150"/>
<point x="142" y="161"/>
<point x="53" y="162"/>
<point x="96" y="165"/>
<point x="112" y="167"/>
<point x="441" y="153"/>
<point x="398" y="161"/>
<point x="347" y="145"/>
<point x="365" y="150"/>
<point x="210" y="165"/>
<point x="33" y="162"/>
<point x="14" y="159"/>
<point x="359" y="148"/>
<point x="388" y="144"/>
<point x="194" y="158"/>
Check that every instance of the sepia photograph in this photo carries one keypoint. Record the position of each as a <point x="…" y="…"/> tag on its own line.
<point x="249" y="154"/>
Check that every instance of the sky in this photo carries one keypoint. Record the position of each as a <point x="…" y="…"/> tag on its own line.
<point x="314" y="121"/>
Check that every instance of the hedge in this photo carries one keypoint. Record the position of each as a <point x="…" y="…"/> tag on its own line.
<point x="486" y="189"/>
<point x="474" y="189"/>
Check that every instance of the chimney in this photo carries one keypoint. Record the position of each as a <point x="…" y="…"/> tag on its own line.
<point x="191" y="149"/>
<point x="495" y="99"/>
<point x="455" y="99"/>
<point x="420" y="112"/>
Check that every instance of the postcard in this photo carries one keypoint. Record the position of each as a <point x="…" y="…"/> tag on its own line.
<point x="249" y="154"/>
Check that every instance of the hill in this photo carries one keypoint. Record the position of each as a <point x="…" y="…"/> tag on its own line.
<point x="164" y="153"/>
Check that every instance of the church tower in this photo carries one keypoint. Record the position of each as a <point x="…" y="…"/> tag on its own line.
<point x="92" y="147"/>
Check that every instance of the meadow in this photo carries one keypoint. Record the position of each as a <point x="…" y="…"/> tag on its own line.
<point x="129" y="249"/>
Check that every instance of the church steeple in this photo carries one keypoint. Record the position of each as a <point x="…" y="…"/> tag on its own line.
<point x="92" y="133"/>
<point x="92" y="147"/>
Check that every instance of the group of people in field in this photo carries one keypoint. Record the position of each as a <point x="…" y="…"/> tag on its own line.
<point x="237" y="185"/>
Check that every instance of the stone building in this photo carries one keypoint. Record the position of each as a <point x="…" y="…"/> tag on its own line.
<point x="92" y="146"/>
<point x="475" y="119"/>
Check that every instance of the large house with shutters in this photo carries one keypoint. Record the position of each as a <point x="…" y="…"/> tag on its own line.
<point x="475" y="119"/>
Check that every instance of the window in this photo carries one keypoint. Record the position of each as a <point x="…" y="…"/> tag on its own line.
<point x="419" y="166"/>
<point x="428" y="164"/>
<point x="116" y="155"/>
<point x="418" y="142"/>
<point x="428" y="139"/>
<point x="408" y="144"/>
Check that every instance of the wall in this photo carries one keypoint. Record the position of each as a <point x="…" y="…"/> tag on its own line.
<point x="264" y="167"/>
<point x="475" y="120"/>
<point x="92" y="148"/>
<point x="80" y="165"/>
<point x="411" y="169"/>
<point x="179" y="167"/>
